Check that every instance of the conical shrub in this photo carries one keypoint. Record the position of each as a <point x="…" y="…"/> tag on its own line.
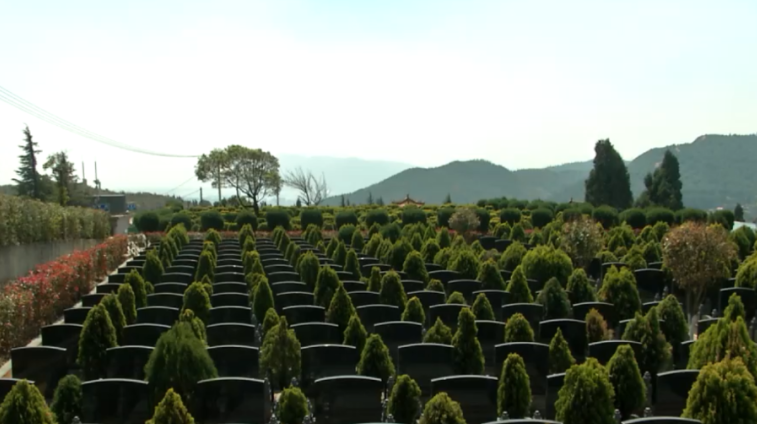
<point x="196" y="298"/>
<point x="560" y="358"/>
<point x="292" y="406"/>
<point x="482" y="308"/>
<point x="555" y="300"/>
<point x="518" y="287"/>
<point x="340" y="309"/>
<point x="352" y="265"/>
<point x="581" y="290"/>
<point x="357" y="242"/>
<point x="619" y="288"/>
<point x="429" y="250"/>
<point x="125" y="296"/>
<point x="152" y="270"/>
<point x="438" y="333"/>
<point x="280" y="354"/>
<point x="355" y="334"/>
<point x="24" y="404"/>
<point x="728" y="382"/>
<point x="441" y="409"/>
<point x="597" y="329"/>
<point x="374" y="281"/>
<point x="171" y="410"/>
<point x="205" y="266"/>
<point x="625" y="377"/>
<point x="262" y="299"/>
<point x="198" y="327"/>
<point x="309" y="269"/>
<point x="137" y="283"/>
<point x="270" y="320"/>
<point x="467" y="353"/>
<point x="466" y="264"/>
<point x="518" y="329"/>
<point x="97" y="335"/>
<point x="340" y="254"/>
<point x="375" y="360"/>
<point x="67" y="400"/>
<point x="116" y="314"/>
<point x="325" y="286"/>
<point x="673" y="321"/>
<point x="248" y="262"/>
<point x="490" y="277"/>
<point x="655" y="350"/>
<point x="414" y="311"/>
<point x="514" y="390"/>
<point x="586" y="396"/>
<point x="392" y="292"/>
<point x="178" y="362"/>
<point x="456" y="298"/>
<point x="415" y="268"/>
<point x="404" y="400"/>
<point x="435" y="285"/>
<point x="443" y="239"/>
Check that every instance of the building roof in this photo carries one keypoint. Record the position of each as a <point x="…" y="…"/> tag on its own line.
<point x="407" y="201"/>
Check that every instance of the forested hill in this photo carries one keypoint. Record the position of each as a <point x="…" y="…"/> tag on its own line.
<point x="716" y="170"/>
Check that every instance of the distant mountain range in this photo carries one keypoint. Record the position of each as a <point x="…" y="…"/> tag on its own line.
<point x="716" y="171"/>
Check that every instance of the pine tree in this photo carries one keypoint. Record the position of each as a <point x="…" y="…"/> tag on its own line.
<point x="738" y="213"/>
<point x="138" y="286"/>
<point x="270" y="320"/>
<point x="467" y="354"/>
<point x="67" y="400"/>
<point x="152" y="270"/>
<point x="392" y="292"/>
<point x="325" y="286"/>
<point x="340" y="254"/>
<point x="374" y="281"/>
<point x="205" y="266"/>
<point x="518" y="287"/>
<point x="375" y="360"/>
<point x="518" y="329"/>
<point x="280" y="353"/>
<point x="97" y="335"/>
<point x="63" y="173"/>
<point x="171" y="410"/>
<point x="414" y="267"/>
<point x="340" y="309"/>
<point x="309" y="269"/>
<point x="596" y="327"/>
<point x="555" y="300"/>
<point x="655" y="350"/>
<point x="663" y="187"/>
<point x="198" y="327"/>
<point x="560" y="358"/>
<point x="514" y="390"/>
<point x="126" y="298"/>
<point x="482" y="308"/>
<point x="28" y="183"/>
<point x="608" y="182"/>
<point x="579" y="287"/>
<point x="196" y="298"/>
<point x="438" y="333"/>
<point x="625" y="377"/>
<point x="355" y="334"/>
<point x="429" y="250"/>
<point x="414" y="311"/>
<point x="24" y="404"/>
<point x="352" y="265"/>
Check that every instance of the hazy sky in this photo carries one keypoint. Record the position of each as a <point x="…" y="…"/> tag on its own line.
<point x="521" y="83"/>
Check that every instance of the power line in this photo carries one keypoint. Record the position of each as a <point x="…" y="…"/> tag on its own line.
<point x="48" y="117"/>
<point x="189" y="194"/>
<point x="181" y="185"/>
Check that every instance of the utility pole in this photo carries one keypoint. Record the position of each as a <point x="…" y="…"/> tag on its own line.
<point x="200" y="194"/>
<point x="218" y="182"/>
<point x="97" y="187"/>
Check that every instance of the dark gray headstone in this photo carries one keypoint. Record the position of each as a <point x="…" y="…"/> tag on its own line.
<point x="424" y="362"/>
<point x="116" y="278"/>
<point x="502" y="245"/>
<point x="284" y="300"/>
<point x="65" y="336"/>
<point x="490" y="334"/>
<point x="476" y="394"/>
<point x="497" y="298"/>
<point x="433" y="267"/>
<point x="327" y="262"/>
<point x="231" y="334"/>
<point x="229" y="299"/>
<point x="374" y="314"/>
<point x="170" y="300"/>
<point x="157" y="315"/>
<point x="465" y="287"/>
<point x="278" y="268"/>
<point x="672" y="391"/>
<point x="107" y="288"/>
<point x="177" y="277"/>
<point x="229" y="277"/>
<point x="412" y="285"/>
<point x="314" y="333"/>
<point x="185" y="269"/>
<point x="662" y="420"/>
<point x="366" y="269"/>
<point x="554" y="384"/>
<point x="128" y="361"/>
<point x="143" y="334"/>
<point x="44" y="365"/>
<point x="573" y="330"/>
<point x="397" y="333"/>
<point x="607" y="310"/>
<point x="191" y="263"/>
<point x="445" y="276"/>
<point x="128" y="268"/>
<point x="229" y="268"/>
<point x="115" y="401"/>
<point x="488" y="242"/>
<point x="92" y="299"/>
<point x="362" y="298"/>
<point x="347" y="399"/>
<point x="604" y="350"/>
<point x="274" y="261"/>
<point x="683" y="357"/>
<point x="231" y="314"/>
<point x="235" y="360"/>
<point x="344" y="275"/>
<point x="327" y="360"/>
<point x="353" y="286"/>
<point x="230" y="287"/>
<point x="304" y="313"/>
<point x="175" y="288"/>
<point x="276" y="277"/>
<point x="748" y="298"/>
<point x="288" y="287"/>
<point x="75" y="315"/>
<point x="448" y="313"/>
<point x="428" y="298"/>
<point x="231" y="400"/>
<point x="650" y="283"/>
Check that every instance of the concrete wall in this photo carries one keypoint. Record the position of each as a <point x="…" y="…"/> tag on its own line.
<point x="16" y="261"/>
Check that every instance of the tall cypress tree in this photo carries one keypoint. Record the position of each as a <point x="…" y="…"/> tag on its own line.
<point x="608" y="183"/>
<point x="28" y="182"/>
<point x="664" y="185"/>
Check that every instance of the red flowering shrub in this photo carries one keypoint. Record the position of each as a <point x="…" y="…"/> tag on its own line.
<point x="38" y="299"/>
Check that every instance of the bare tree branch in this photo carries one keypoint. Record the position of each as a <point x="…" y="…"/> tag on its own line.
<point x="312" y="190"/>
